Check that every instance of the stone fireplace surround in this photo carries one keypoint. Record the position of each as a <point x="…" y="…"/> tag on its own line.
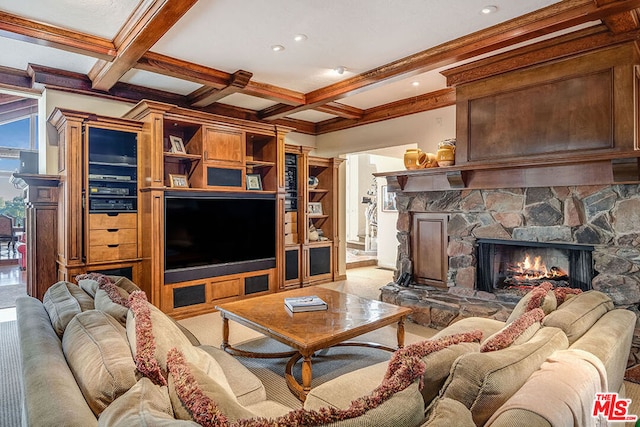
<point x="606" y="217"/>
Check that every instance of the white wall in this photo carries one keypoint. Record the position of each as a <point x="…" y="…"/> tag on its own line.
<point x="425" y="129"/>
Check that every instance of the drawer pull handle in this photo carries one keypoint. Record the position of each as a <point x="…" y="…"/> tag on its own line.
<point x="112" y="213"/>
<point x="112" y="230"/>
<point x="113" y="246"/>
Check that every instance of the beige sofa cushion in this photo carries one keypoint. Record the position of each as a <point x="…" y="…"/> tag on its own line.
<point x="610" y="340"/>
<point x="517" y="332"/>
<point x="540" y="297"/>
<point x="97" y="352"/>
<point x="145" y="404"/>
<point x="103" y="302"/>
<point x="449" y="413"/>
<point x="196" y="396"/>
<point x="151" y="334"/>
<point x="247" y="388"/>
<point x="484" y="381"/>
<point x="487" y="326"/>
<point x="63" y="300"/>
<point x="561" y="392"/>
<point x="578" y="314"/>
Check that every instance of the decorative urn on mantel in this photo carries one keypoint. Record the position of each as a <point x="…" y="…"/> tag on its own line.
<point x="446" y="155"/>
<point x="414" y="158"/>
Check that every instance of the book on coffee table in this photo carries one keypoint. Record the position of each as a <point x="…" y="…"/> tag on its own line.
<point x="307" y="303"/>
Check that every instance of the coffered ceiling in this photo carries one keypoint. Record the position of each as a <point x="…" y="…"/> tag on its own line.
<point x="217" y="56"/>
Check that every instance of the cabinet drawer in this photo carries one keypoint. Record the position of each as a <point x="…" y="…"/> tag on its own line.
<point x="117" y="221"/>
<point x="112" y="252"/>
<point x="112" y="236"/>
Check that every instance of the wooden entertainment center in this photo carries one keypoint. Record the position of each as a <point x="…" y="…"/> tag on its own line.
<point x="117" y="175"/>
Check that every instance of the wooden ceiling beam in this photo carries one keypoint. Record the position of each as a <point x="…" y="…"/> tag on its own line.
<point x="622" y="22"/>
<point x="581" y="41"/>
<point x="274" y="93"/>
<point x="179" y="69"/>
<point x="341" y="110"/>
<point x="147" y="25"/>
<point x="207" y="95"/>
<point x="14" y="78"/>
<point x="17" y="28"/>
<point x="429" y="101"/>
<point x="559" y="16"/>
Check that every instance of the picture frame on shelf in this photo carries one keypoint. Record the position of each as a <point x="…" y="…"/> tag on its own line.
<point x="178" y="181"/>
<point x="177" y="146"/>
<point x="388" y="200"/>
<point x="315" y="208"/>
<point x="254" y="181"/>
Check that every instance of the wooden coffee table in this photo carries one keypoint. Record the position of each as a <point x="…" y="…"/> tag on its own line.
<point x="347" y="317"/>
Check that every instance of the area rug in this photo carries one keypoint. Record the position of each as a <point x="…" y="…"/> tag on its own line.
<point x="9" y="294"/>
<point x="11" y="384"/>
<point x="326" y="365"/>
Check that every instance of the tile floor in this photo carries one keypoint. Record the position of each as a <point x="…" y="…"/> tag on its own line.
<point x="10" y="274"/>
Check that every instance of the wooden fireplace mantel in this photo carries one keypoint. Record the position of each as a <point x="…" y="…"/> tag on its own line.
<point x="566" y="122"/>
<point x="593" y="169"/>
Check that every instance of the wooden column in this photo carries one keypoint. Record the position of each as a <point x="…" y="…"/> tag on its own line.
<point x="41" y="227"/>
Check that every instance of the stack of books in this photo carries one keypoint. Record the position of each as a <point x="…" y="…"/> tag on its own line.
<point x="308" y="303"/>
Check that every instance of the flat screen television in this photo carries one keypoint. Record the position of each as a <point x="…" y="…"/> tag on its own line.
<point x="218" y="234"/>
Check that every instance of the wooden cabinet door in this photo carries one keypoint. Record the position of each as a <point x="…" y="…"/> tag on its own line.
<point x="223" y="146"/>
<point x="429" y="242"/>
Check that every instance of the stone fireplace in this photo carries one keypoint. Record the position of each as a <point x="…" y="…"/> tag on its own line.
<point x="602" y="220"/>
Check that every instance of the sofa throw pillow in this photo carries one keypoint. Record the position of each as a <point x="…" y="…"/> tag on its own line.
<point x="105" y="303"/>
<point x="196" y="396"/>
<point x="578" y="314"/>
<point x="484" y="381"/>
<point x="144" y="404"/>
<point x="96" y="348"/>
<point x="62" y="301"/>
<point x="516" y="332"/>
<point x="541" y="296"/>
<point x="152" y="334"/>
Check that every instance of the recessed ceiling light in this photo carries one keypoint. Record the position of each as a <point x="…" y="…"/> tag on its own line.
<point x="340" y="69"/>
<point x="300" y="37"/>
<point x="488" y="9"/>
<point x="277" y="47"/>
<point x="415" y="83"/>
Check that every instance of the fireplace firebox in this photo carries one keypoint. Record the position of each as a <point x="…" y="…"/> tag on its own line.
<point x="507" y="264"/>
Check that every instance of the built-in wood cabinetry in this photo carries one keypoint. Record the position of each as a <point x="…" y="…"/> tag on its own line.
<point x="98" y="223"/>
<point x="200" y="209"/>
<point x="311" y="230"/>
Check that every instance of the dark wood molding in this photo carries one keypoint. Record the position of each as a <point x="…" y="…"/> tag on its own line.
<point x="13" y="78"/>
<point x="622" y="22"/>
<point x="145" y="27"/>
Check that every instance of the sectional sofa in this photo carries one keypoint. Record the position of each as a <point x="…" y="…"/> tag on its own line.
<point x="97" y="353"/>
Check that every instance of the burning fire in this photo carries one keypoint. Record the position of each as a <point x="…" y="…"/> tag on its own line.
<point x="536" y="270"/>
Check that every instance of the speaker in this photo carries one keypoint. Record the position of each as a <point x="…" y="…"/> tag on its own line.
<point x="28" y="162"/>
